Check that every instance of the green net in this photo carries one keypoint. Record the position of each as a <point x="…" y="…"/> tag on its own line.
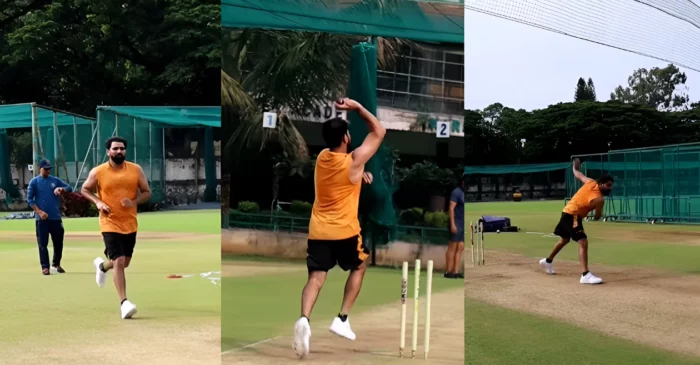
<point x="58" y="136"/>
<point x="6" y="181"/>
<point x="376" y="207"/>
<point x="145" y="127"/>
<point x="75" y="144"/>
<point x="659" y="183"/>
<point x="429" y="21"/>
<point x="533" y="181"/>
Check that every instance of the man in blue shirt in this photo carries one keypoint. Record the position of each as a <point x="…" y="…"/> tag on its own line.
<point x="44" y="197"/>
<point x="455" y="247"/>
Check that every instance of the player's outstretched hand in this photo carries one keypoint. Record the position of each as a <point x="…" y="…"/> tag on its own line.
<point x="347" y="104"/>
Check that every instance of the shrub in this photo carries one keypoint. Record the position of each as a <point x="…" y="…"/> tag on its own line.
<point x="437" y="219"/>
<point x="301" y="208"/>
<point x="248" y="207"/>
<point x="412" y="216"/>
<point x="76" y="205"/>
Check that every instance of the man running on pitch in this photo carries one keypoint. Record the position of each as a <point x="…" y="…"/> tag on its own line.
<point x="590" y="196"/>
<point x="455" y="246"/>
<point x="117" y="183"/>
<point x="334" y="229"/>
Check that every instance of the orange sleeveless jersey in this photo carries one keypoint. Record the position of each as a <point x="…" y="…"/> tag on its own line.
<point x="112" y="186"/>
<point x="334" y="213"/>
<point x="580" y="203"/>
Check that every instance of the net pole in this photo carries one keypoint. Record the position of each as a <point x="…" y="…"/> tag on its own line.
<point x="150" y="151"/>
<point x="99" y="135"/>
<point x="134" y="141"/>
<point x="87" y="153"/>
<point x="75" y="148"/>
<point x="55" y="142"/>
<point x="35" y="154"/>
<point x="162" y="167"/>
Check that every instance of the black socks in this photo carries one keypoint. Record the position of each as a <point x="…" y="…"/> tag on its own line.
<point x="343" y="317"/>
<point x="548" y="260"/>
<point x="102" y="267"/>
<point x="122" y="303"/>
<point x="307" y="318"/>
<point x="585" y="273"/>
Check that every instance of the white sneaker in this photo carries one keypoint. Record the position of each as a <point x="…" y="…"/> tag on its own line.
<point x="342" y="329"/>
<point x="100" y="277"/>
<point x="547" y="267"/>
<point x="128" y="309"/>
<point x="590" y="279"/>
<point x="302" y="334"/>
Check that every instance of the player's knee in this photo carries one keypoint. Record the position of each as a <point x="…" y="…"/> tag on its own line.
<point x="119" y="261"/>
<point x="583" y="242"/>
<point x="564" y="241"/>
<point x="127" y="261"/>
<point x="317" y="278"/>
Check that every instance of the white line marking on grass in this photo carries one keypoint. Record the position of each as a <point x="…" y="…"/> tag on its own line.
<point x="251" y="345"/>
<point x="535" y="232"/>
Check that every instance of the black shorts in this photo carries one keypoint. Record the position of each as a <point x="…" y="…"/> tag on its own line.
<point x="119" y="244"/>
<point x="570" y="227"/>
<point x="349" y="253"/>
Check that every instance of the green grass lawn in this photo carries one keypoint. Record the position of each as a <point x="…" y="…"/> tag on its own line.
<point x="191" y="221"/>
<point x="607" y="242"/>
<point x="37" y="308"/>
<point x="264" y="306"/>
<point x="506" y="336"/>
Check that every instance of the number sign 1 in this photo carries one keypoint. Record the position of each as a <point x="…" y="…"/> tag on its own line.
<point x="270" y="120"/>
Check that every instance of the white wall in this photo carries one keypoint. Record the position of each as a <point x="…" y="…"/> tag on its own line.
<point x="391" y="118"/>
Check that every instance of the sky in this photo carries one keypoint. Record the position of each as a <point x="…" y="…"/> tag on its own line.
<point x="525" y="67"/>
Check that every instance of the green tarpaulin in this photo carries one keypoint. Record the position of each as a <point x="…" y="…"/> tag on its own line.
<point x="20" y="116"/>
<point x="515" y="169"/>
<point x="177" y="117"/>
<point x="427" y="21"/>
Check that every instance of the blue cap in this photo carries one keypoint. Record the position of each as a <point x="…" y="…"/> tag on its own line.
<point x="45" y="164"/>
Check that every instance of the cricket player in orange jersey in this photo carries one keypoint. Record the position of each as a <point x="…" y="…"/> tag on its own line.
<point x="334" y="229"/>
<point x="589" y="197"/>
<point x="117" y="183"/>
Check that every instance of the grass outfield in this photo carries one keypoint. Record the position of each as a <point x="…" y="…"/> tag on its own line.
<point x="258" y="307"/>
<point x="506" y="336"/>
<point x="611" y="243"/>
<point x="190" y="221"/>
<point x="60" y="310"/>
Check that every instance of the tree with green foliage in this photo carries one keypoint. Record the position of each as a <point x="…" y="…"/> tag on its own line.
<point x="591" y="90"/>
<point x="74" y="54"/>
<point x="660" y="88"/>
<point x="584" y="91"/>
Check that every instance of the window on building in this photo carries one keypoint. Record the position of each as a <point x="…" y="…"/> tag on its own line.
<point x="424" y="80"/>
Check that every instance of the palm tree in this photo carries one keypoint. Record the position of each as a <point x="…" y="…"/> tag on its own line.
<point x="286" y="71"/>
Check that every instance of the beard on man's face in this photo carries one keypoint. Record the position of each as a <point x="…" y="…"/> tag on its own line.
<point x="118" y="158"/>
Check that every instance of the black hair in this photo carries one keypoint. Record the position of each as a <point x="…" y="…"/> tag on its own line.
<point x="110" y="140"/>
<point x="605" y="178"/>
<point x="333" y="131"/>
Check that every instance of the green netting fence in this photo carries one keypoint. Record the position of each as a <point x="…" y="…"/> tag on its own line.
<point x="422" y="20"/>
<point x="61" y="137"/>
<point x="655" y="184"/>
<point x="291" y="224"/>
<point x="533" y="181"/>
<point x="75" y="143"/>
<point x="145" y="128"/>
